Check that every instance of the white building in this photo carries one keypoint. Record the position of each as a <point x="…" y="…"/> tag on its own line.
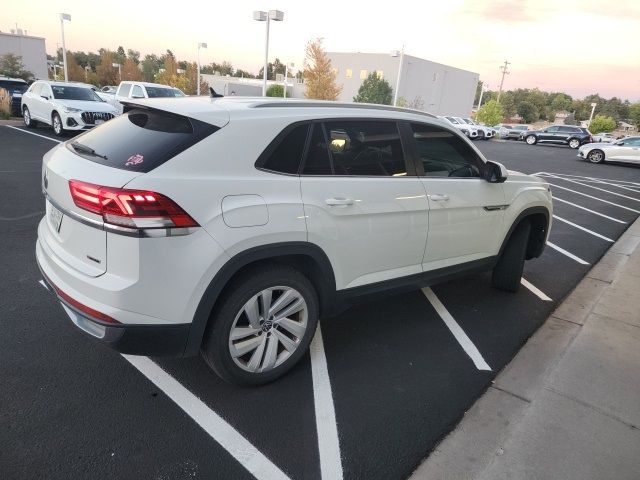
<point x="31" y="49"/>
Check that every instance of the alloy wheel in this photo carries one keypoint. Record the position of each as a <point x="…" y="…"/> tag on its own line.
<point x="268" y="329"/>
<point x="574" y="143"/>
<point x="531" y="139"/>
<point x="26" y="116"/>
<point x="595" y="156"/>
<point x="57" y="124"/>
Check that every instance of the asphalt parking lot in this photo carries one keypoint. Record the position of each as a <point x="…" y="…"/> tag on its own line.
<point x="384" y="381"/>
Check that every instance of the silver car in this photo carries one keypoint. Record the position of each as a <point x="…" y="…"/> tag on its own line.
<point x="626" y="150"/>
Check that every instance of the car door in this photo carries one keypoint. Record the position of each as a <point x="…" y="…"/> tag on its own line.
<point x="31" y="98"/>
<point x="565" y="133"/>
<point x="45" y="104"/>
<point x="549" y="134"/>
<point x="627" y="151"/>
<point x="363" y="204"/>
<point x="465" y="211"/>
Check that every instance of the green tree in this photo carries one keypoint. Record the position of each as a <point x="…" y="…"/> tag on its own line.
<point x="634" y="113"/>
<point x="602" y="123"/>
<point x="11" y="66"/>
<point x="319" y="77"/>
<point x="560" y="102"/>
<point x="275" y="91"/>
<point x="133" y="55"/>
<point x="491" y="113"/>
<point x="374" y="89"/>
<point x="528" y="111"/>
<point x="243" y="73"/>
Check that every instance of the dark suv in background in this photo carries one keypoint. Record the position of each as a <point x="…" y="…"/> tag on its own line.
<point x="16" y="87"/>
<point x="562" y="134"/>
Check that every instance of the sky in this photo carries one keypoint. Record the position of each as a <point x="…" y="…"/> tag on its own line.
<point x="575" y="46"/>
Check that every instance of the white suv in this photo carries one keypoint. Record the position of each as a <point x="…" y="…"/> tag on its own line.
<point x="229" y="226"/>
<point x="64" y="106"/>
<point x="469" y="130"/>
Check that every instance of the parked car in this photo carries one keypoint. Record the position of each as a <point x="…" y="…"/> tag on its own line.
<point x="626" y="150"/>
<point x="64" y="106"/>
<point x="487" y="132"/>
<point x="16" y="88"/>
<point x="228" y="227"/>
<point x="469" y="130"/>
<point x="128" y="91"/>
<point x="517" y="132"/>
<point x="604" y="137"/>
<point x="109" y="89"/>
<point x="502" y="130"/>
<point x="559" y="134"/>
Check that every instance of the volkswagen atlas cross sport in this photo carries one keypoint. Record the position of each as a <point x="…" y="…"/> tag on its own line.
<point x="229" y="226"/>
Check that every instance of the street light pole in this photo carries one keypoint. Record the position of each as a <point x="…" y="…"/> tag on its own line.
<point x="481" y="94"/>
<point x="260" y="16"/>
<point x="286" y="74"/>
<point x="593" y="109"/>
<point x="200" y="45"/>
<point x="63" y="17"/>
<point x="395" y="94"/>
<point x="504" y="72"/>
<point x="119" y="69"/>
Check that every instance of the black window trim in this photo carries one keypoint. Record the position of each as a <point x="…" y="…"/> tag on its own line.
<point x="410" y="163"/>
<point x="419" y="167"/>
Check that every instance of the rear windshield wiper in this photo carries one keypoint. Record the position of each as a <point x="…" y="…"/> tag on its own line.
<point x="78" y="147"/>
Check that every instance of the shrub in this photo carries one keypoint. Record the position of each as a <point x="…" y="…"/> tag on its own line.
<point x="5" y="103"/>
<point x="275" y="90"/>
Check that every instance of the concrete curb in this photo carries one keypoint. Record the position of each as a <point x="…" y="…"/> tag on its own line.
<point x="516" y="410"/>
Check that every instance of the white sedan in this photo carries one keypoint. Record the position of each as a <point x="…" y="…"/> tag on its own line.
<point x="64" y="106"/>
<point x="625" y="150"/>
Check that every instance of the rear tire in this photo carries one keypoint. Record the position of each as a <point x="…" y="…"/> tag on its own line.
<point x="531" y="139"/>
<point x="290" y="341"/>
<point x="507" y="273"/>
<point x="596" y="156"/>
<point x="56" y="123"/>
<point x="26" y="116"/>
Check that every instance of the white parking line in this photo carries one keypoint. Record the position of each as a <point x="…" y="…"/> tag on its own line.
<point x="33" y="133"/>
<point x="328" y="442"/>
<point x="580" y="227"/>
<point x="595" y="198"/>
<point x="535" y="290"/>
<point x="457" y="332"/>
<point x="228" y="437"/>
<point x="617" y="185"/>
<point x="568" y="254"/>
<point x="41" y="282"/>
<point x="556" y="199"/>
<point x="595" y="188"/>
<point x="590" y="178"/>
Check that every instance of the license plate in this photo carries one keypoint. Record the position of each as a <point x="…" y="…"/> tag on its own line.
<point x="98" y="122"/>
<point x="17" y="95"/>
<point x="55" y="217"/>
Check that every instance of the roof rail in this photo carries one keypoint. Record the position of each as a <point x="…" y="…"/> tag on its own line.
<point x="272" y="104"/>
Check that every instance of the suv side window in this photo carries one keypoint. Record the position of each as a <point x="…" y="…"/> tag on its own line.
<point x="443" y="153"/>
<point x="137" y="92"/>
<point x="46" y="91"/>
<point x="317" y="160"/>
<point x="124" y="89"/>
<point x="365" y="148"/>
<point x="553" y="129"/>
<point x="569" y="130"/>
<point x="287" y="154"/>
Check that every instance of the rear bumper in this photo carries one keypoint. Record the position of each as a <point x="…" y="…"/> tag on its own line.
<point x="160" y="340"/>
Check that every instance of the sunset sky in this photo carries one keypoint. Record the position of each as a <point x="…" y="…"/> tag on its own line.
<point x="576" y="46"/>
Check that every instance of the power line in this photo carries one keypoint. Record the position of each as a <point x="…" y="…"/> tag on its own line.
<point x="504" y="70"/>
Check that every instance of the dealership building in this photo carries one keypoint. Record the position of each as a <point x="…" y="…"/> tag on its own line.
<point x="31" y="49"/>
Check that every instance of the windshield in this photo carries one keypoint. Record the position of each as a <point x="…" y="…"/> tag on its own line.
<point x="14" y="87"/>
<point x="157" y="92"/>
<point x="469" y="121"/>
<point x="64" y="92"/>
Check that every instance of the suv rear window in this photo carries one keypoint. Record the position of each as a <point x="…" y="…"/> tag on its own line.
<point x="140" y="140"/>
<point x="13" y="86"/>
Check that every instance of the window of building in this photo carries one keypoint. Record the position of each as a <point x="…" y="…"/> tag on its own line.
<point x="363" y="74"/>
<point x="380" y="74"/>
<point x="348" y="73"/>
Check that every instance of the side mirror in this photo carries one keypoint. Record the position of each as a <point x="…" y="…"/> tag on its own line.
<point x="45" y="97"/>
<point x="619" y="143"/>
<point x="494" y="172"/>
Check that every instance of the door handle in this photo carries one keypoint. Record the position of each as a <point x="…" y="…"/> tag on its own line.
<point x="332" y="202"/>
<point x="439" y="197"/>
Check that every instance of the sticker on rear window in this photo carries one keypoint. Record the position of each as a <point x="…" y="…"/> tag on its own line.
<point x="134" y="160"/>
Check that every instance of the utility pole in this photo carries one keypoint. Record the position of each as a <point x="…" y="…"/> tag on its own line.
<point x="504" y="72"/>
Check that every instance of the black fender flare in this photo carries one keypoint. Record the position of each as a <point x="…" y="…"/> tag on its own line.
<point x="525" y="213"/>
<point x="207" y="303"/>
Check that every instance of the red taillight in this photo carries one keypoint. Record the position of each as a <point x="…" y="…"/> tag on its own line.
<point x="81" y="307"/>
<point x="139" y="209"/>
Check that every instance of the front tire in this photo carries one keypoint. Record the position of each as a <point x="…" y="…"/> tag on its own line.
<point x="56" y="123"/>
<point x="262" y="326"/>
<point x="596" y="156"/>
<point x="507" y="273"/>
<point x="574" y="143"/>
<point x="26" y="116"/>
<point x="531" y="139"/>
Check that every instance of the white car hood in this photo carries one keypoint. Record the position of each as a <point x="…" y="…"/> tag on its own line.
<point x="87" y="106"/>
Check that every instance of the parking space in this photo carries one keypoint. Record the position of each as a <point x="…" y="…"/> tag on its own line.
<point x="383" y="383"/>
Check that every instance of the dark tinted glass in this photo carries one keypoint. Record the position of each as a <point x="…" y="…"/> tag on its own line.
<point x="141" y="140"/>
<point x="552" y="129"/>
<point x="443" y="153"/>
<point x="159" y="92"/>
<point x="65" y="92"/>
<point x="317" y="161"/>
<point x="366" y="148"/>
<point x="287" y="155"/>
<point x="14" y="87"/>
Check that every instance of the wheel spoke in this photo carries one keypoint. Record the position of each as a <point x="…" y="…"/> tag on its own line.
<point x="271" y="355"/>
<point x="256" y="357"/>
<point x="295" y="307"/>
<point x="241" y="332"/>
<point x="244" y="347"/>
<point x="285" y="299"/>
<point x="253" y="314"/>
<point x="292" y="326"/>
<point x="265" y="302"/>
<point x="289" y="344"/>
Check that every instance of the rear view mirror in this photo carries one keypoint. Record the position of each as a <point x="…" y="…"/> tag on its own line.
<point x="494" y="172"/>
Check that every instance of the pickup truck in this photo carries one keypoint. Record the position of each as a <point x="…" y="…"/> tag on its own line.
<point x="131" y="90"/>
